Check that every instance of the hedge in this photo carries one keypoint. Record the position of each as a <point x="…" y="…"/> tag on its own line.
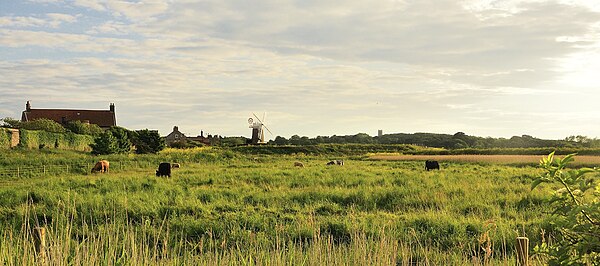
<point x="35" y="139"/>
<point x="326" y="149"/>
<point x="5" y="136"/>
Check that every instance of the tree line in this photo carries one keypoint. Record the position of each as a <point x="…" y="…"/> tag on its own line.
<point x="458" y="140"/>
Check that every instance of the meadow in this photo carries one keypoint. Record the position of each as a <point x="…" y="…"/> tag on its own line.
<point x="230" y="208"/>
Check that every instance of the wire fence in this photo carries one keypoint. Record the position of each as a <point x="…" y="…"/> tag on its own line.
<point x="25" y="171"/>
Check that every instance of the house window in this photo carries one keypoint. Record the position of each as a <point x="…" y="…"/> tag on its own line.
<point x="176" y="136"/>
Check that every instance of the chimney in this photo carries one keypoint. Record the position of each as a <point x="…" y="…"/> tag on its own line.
<point x="202" y="133"/>
<point x="175" y="129"/>
<point x="112" y="107"/>
<point x="28" y="106"/>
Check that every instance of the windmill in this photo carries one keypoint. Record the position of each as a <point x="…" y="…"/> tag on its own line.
<point x="258" y="135"/>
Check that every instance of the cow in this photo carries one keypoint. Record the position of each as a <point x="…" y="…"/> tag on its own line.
<point x="101" y="166"/>
<point x="298" y="164"/>
<point x="430" y="165"/>
<point x="164" y="169"/>
<point x="336" y="162"/>
<point x="175" y="165"/>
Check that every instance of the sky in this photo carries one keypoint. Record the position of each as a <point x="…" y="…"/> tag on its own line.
<point x="310" y="67"/>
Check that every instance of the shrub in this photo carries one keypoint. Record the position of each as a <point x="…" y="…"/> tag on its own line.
<point x="576" y="212"/>
<point x="147" y="141"/>
<point x="106" y="143"/>
<point x="11" y="122"/>
<point x="113" y="140"/>
<point x="34" y="139"/>
<point x="43" y="124"/>
<point x="78" y="127"/>
<point x="4" y="138"/>
<point x="123" y="138"/>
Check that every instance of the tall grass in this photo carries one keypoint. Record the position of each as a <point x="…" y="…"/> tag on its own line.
<point x="227" y="208"/>
<point x="119" y="242"/>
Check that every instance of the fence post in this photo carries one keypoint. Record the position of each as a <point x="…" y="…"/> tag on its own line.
<point x="39" y="239"/>
<point x="44" y="169"/>
<point x="67" y="168"/>
<point x="522" y="251"/>
<point x="18" y="172"/>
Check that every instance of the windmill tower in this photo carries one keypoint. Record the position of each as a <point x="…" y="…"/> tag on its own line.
<point x="258" y="134"/>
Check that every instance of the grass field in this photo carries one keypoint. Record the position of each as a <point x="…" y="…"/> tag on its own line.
<point x="224" y="208"/>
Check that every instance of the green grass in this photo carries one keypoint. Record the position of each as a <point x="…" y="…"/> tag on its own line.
<point x="222" y="207"/>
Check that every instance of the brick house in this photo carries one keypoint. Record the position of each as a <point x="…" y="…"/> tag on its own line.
<point x="103" y="118"/>
<point x="176" y="136"/>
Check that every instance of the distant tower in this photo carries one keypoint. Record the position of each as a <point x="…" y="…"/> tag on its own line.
<point x="379" y="133"/>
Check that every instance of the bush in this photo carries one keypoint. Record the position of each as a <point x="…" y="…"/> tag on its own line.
<point x="123" y="138"/>
<point x="78" y="127"/>
<point x="5" y="136"/>
<point x="113" y="140"/>
<point x="576" y="213"/>
<point x="11" y="122"/>
<point x="34" y="139"/>
<point x="147" y="141"/>
<point x="43" y="124"/>
<point x="106" y="143"/>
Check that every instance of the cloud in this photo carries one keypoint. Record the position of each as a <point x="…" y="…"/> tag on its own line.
<point x="50" y="20"/>
<point x="316" y="67"/>
<point x="91" y="4"/>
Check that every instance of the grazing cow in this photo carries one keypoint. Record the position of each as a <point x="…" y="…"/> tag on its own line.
<point x="175" y="165"/>
<point x="430" y="165"/>
<point x="298" y="164"/>
<point x="336" y="162"/>
<point x="164" y="169"/>
<point x="101" y="166"/>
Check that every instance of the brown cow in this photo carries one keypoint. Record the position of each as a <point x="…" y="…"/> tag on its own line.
<point x="175" y="165"/>
<point x="101" y="166"/>
<point x="298" y="164"/>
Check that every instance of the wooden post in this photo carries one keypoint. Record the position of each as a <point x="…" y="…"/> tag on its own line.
<point x="67" y="168"/>
<point x="39" y="239"/>
<point x="44" y="169"/>
<point x="522" y="251"/>
<point x="18" y="172"/>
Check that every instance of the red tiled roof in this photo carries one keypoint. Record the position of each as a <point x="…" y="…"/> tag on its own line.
<point x="102" y="118"/>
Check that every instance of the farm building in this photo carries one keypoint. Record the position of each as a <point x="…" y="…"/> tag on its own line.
<point x="177" y="137"/>
<point x="103" y="118"/>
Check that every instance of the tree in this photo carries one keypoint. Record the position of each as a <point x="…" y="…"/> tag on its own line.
<point x="280" y="141"/>
<point x="147" y="141"/>
<point x="294" y="140"/>
<point x="106" y="143"/>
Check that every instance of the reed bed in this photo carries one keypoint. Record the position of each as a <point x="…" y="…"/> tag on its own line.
<point x="494" y="159"/>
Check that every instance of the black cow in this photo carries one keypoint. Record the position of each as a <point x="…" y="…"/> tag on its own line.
<point x="336" y="162"/>
<point x="164" y="169"/>
<point x="430" y="165"/>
